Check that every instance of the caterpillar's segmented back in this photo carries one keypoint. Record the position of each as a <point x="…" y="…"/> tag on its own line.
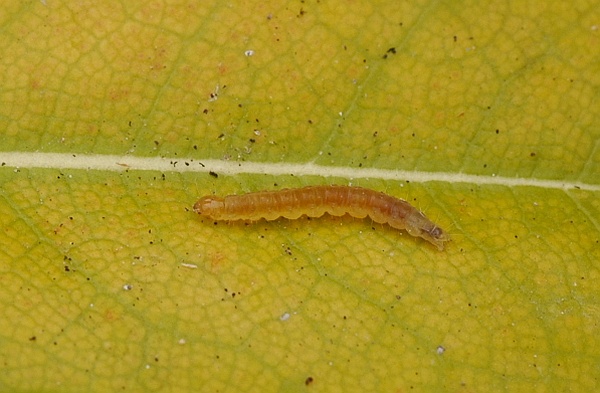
<point x="314" y="201"/>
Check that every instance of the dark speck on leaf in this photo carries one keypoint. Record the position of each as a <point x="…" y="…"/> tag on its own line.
<point x="392" y="51"/>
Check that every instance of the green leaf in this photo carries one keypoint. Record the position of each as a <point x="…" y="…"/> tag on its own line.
<point x="116" y="117"/>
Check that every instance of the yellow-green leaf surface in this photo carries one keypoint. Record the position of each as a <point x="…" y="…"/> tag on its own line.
<point x="116" y="116"/>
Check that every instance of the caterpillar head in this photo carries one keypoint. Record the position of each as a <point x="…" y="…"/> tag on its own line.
<point x="421" y="226"/>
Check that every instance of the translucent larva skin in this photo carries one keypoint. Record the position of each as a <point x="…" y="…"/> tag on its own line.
<point x="315" y="201"/>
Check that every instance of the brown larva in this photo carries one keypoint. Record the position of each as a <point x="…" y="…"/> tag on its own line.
<point x="314" y="201"/>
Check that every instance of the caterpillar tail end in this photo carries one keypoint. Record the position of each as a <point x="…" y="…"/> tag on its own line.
<point x="209" y="206"/>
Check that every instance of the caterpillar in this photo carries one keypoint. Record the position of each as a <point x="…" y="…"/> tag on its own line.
<point x="314" y="201"/>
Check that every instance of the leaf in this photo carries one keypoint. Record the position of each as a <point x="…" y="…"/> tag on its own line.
<point x="115" y="118"/>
